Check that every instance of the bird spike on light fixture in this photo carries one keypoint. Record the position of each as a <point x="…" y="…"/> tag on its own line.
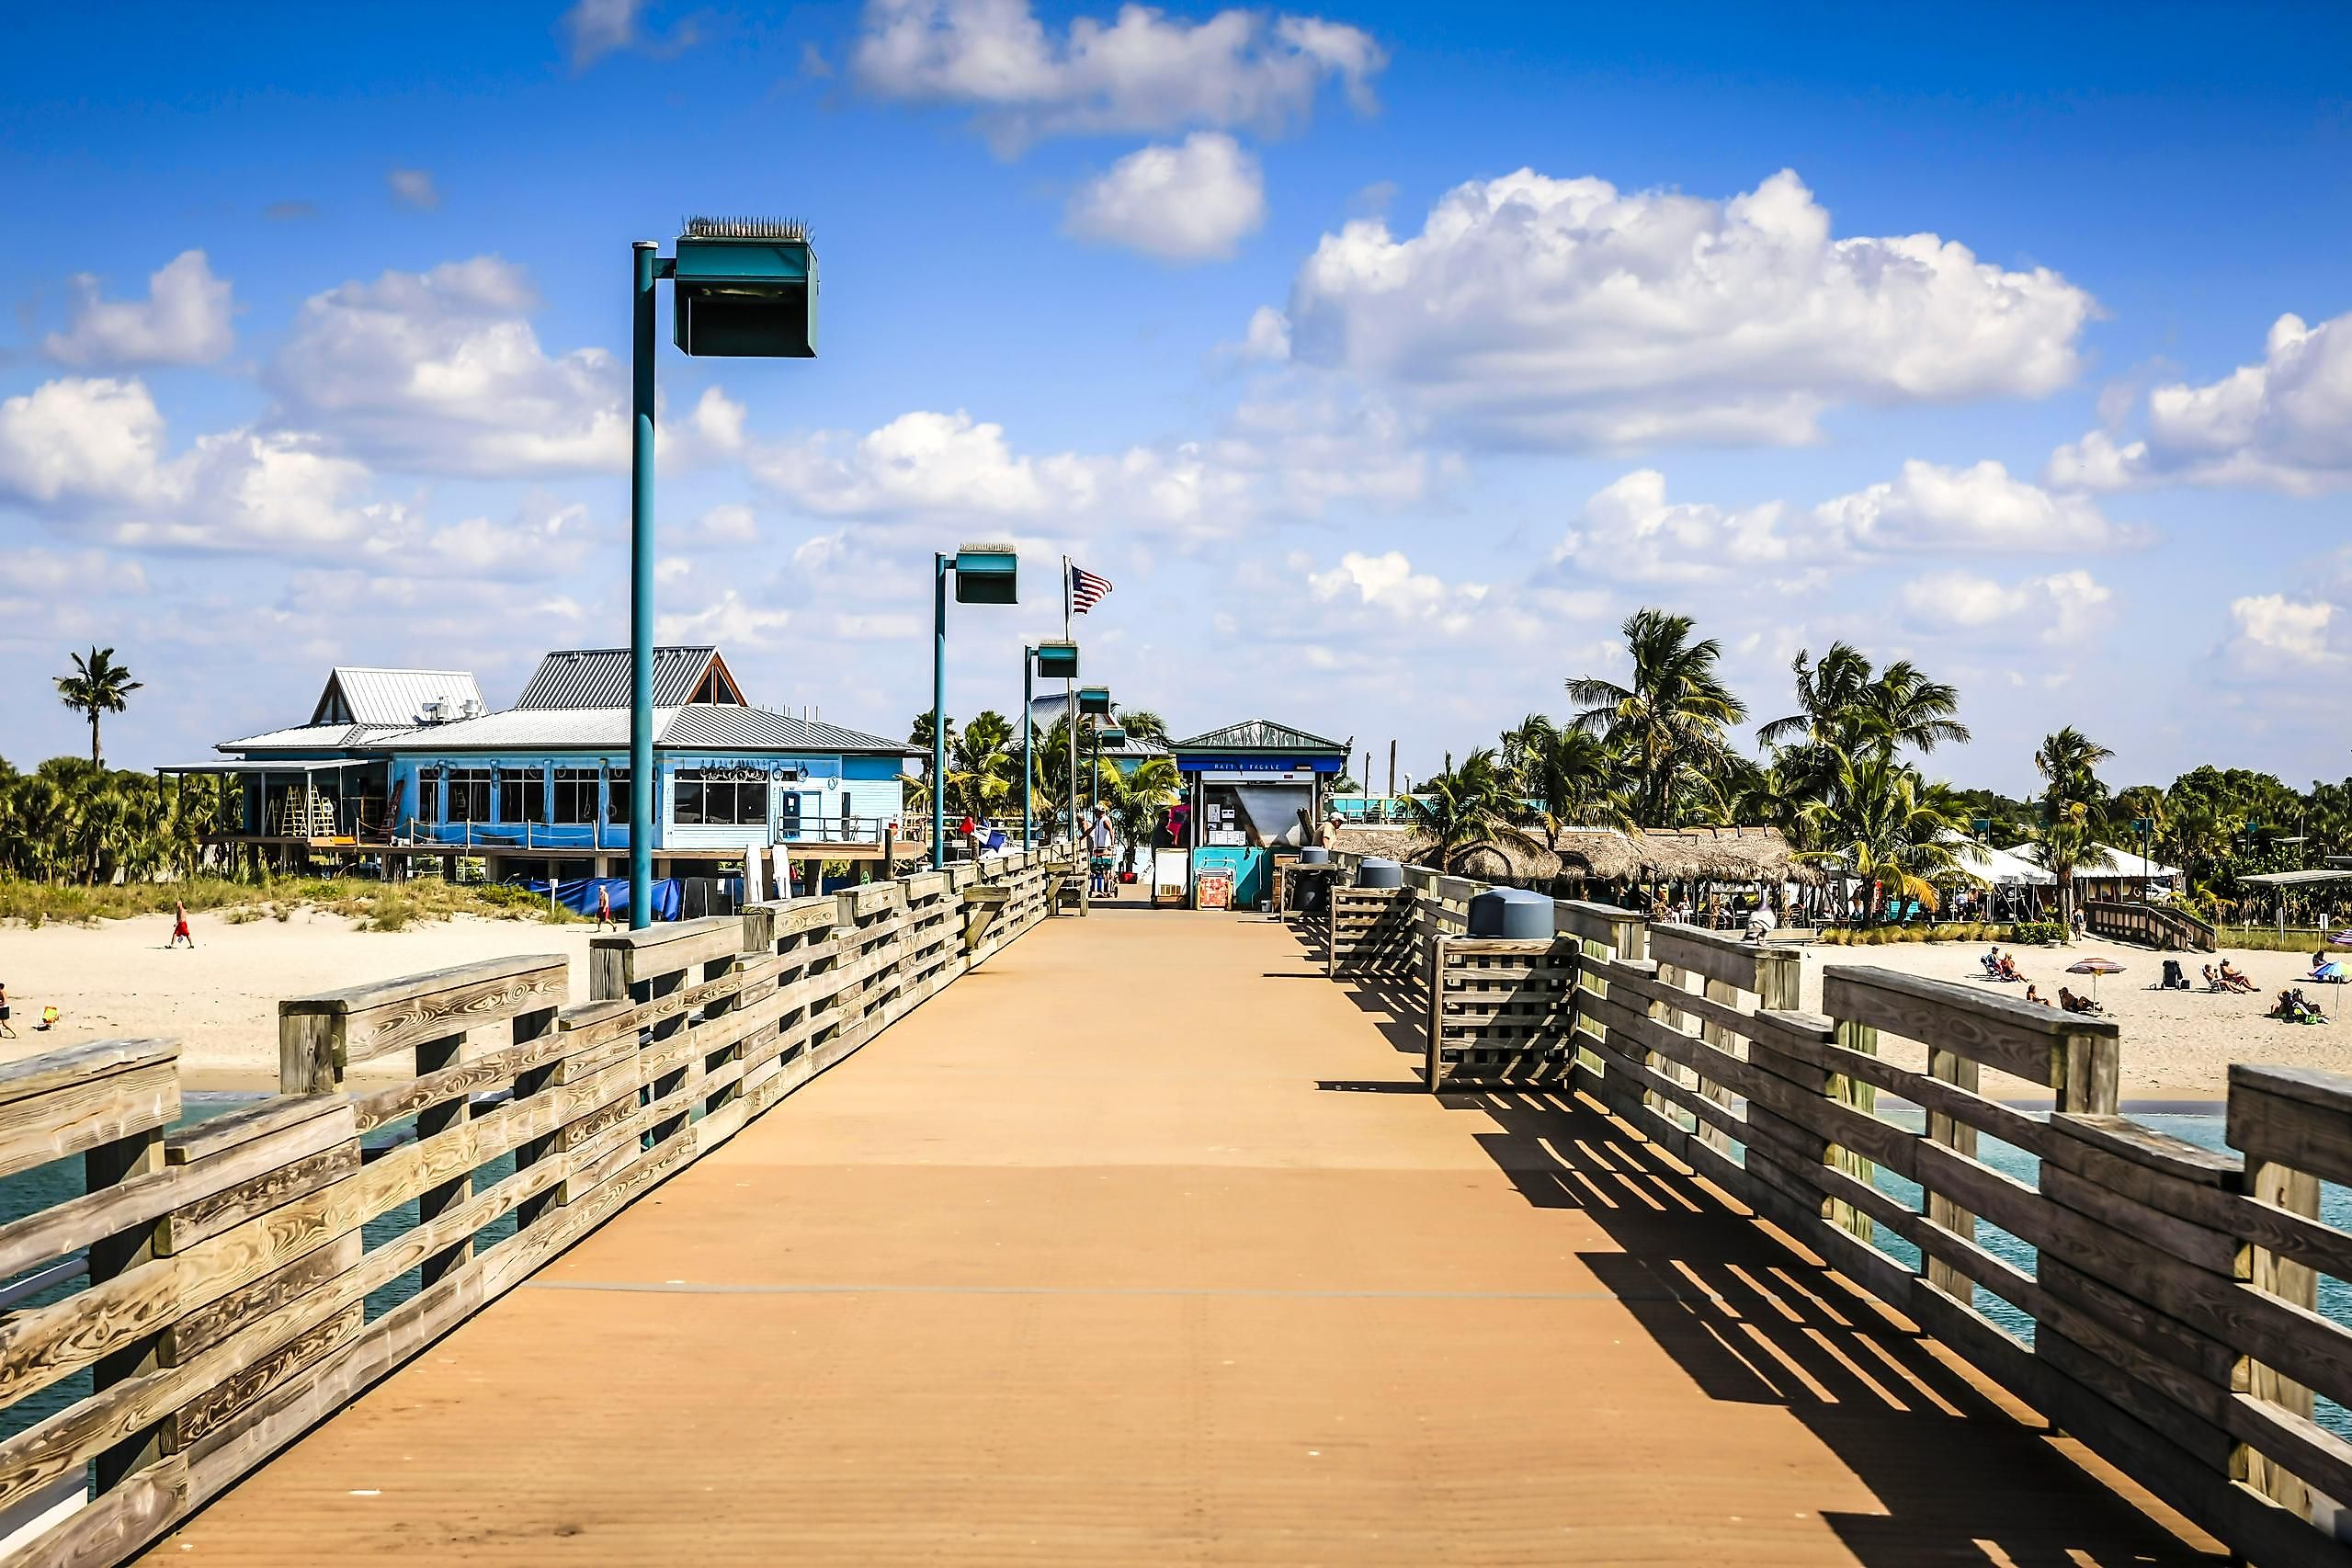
<point x="788" y="229"/>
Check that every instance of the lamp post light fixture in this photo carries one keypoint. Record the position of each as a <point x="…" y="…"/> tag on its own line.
<point x="743" y="288"/>
<point x="985" y="575"/>
<point x="1057" y="660"/>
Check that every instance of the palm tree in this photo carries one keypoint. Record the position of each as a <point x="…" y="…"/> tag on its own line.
<point x="1667" y="720"/>
<point x="2062" y="845"/>
<point x="97" y="685"/>
<point x="1464" y="807"/>
<point x="1136" y="800"/>
<point x="1904" y="708"/>
<point x="979" y="767"/>
<point x="1827" y="694"/>
<point x="1573" y="776"/>
<point x="2069" y="762"/>
<point x="1875" y="825"/>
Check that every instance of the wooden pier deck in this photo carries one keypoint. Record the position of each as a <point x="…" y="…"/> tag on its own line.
<point x="1143" y="1244"/>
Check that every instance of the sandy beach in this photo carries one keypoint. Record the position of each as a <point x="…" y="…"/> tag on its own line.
<point x="221" y="1000"/>
<point x="2177" y="1045"/>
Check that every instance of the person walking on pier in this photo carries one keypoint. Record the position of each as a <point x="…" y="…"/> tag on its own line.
<point x="604" y="905"/>
<point x="1098" y="838"/>
<point x="179" y="927"/>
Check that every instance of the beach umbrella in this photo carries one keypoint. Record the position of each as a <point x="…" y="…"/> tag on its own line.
<point x="2342" y="938"/>
<point x="2095" y="968"/>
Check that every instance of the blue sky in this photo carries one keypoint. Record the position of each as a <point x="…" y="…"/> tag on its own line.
<point x="1955" y="334"/>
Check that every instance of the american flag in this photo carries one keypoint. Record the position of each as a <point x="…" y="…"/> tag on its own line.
<point x="1086" y="589"/>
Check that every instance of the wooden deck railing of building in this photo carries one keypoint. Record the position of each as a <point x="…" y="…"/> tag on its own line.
<point x="250" y="1274"/>
<point x="2163" y="928"/>
<point x="2171" y="1291"/>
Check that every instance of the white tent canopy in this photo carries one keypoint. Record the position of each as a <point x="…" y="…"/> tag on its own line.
<point x="2001" y="867"/>
<point x="2129" y="865"/>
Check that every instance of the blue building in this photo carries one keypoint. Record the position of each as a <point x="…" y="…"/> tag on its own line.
<point x="401" y="763"/>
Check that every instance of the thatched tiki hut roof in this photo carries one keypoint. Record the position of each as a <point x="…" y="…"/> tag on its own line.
<point x="1683" y="854"/>
<point x="1601" y="855"/>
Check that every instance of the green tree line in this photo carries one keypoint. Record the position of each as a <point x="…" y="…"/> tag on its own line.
<point x="1841" y="773"/>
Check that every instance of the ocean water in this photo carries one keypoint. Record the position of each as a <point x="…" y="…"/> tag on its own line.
<point x="2204" y="1130"/>
<point x="28" y="1192"/>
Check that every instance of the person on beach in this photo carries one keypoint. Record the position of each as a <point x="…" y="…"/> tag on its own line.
<point x="2033" y="994"/>
<point x="2234" y="978"/>
<point x="6" y="1031"/>
<point x="179" y="927"/>
<point x="603" y="904"/>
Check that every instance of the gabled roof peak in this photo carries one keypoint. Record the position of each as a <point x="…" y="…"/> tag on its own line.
<point x="1262" y="734"/>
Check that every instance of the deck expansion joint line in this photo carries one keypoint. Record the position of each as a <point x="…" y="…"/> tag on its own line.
<point x="686" y="1288"/>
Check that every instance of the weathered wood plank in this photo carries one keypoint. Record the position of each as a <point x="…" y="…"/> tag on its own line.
<point x="634" y="957"/>
<point x="134" y="1090"/>
<point x="2295" y="1116"/>
<point x="198" y="1218"/>
<point x="76" y="1222"/>
<point x="340" y="1028"/>
<point x="2010" y="1036"/>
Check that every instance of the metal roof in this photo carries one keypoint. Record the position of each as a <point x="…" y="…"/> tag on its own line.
<point x="718" y="727"/>
<point x="598" y="677"/>
<point x="301" y="737"/>
<point x="723" y="725"/>
<point x="1261" y="734"/>
<point x="2298" y="879"/>
<point x="396" y="699"/>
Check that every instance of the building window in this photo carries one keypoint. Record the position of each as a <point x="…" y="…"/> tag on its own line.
<point x="617" y="796"/>
<point x="469" y="794"/>
<point x="576" y="795"/>
<point x="522" y="795"/>
<point x="723" y="797"/>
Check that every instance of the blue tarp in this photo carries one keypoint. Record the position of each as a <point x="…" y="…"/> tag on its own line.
<point x="580" y="897"/>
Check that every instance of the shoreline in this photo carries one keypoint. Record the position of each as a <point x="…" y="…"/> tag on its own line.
<point x="119" y="979"/>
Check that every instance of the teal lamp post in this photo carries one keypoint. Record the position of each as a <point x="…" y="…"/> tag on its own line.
<point x="1094" y="702"/>
<point x="1055" y="661"/>
<point x="744" y="288"/>
<point x="985" y="575"/>
<point x="1105" y="735"/>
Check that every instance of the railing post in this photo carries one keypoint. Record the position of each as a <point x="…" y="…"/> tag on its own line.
<point x="110" y="1165"/>
<point x="1857" y="1096"/>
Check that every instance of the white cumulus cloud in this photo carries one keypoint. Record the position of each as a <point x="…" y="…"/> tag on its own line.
<point x="1628" y="532"/>
<point x="1981" y="508"/>
<point x="1143" y="72"/>
<point x="440" y="372"/>
<point x="183" y="321"/>
<point x="2271" y="635"/>
<point x="1388" y="583"/>
<point x="2285" y="423"/>
<point x="90" y="455"/>
<point x="2065" y="606"/>
<point x="1535" y="311"/>
<point x="1194" y="201"/>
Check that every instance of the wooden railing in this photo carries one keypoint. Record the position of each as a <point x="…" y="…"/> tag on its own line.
<point x="2167" y="1293"/>
<point x="234" y="1299"/>
<point x="2162" y="927"/>
<point x="1368" y="930"/>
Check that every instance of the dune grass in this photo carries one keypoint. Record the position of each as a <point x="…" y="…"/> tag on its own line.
<point x="372" y="905"/>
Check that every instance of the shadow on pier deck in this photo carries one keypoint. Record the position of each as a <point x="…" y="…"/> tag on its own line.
<point x="1114" y="1252"/>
